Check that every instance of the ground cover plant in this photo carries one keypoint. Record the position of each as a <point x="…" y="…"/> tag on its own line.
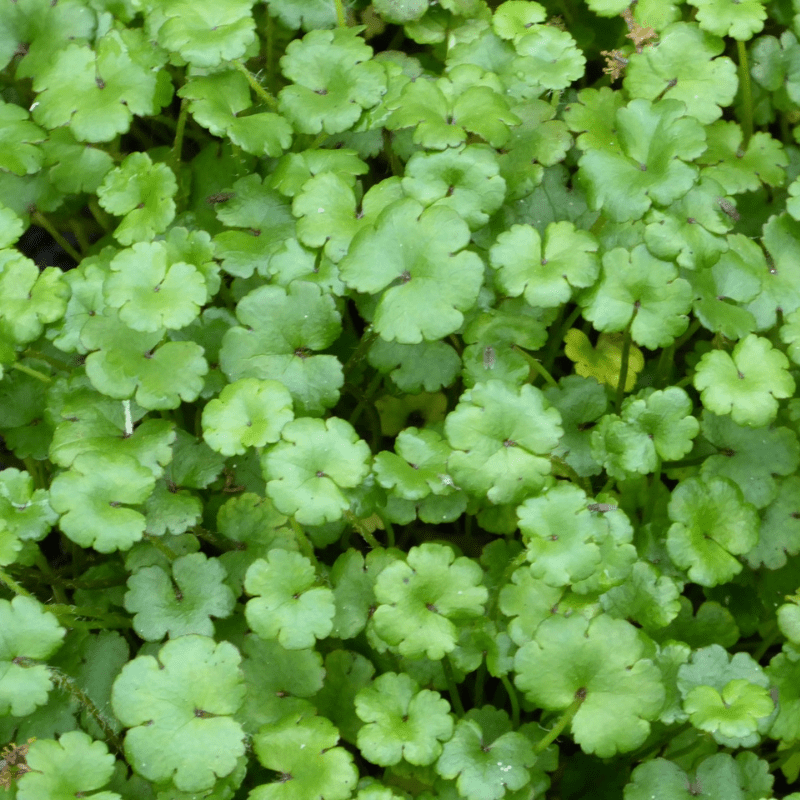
<point x="405" y="403"/>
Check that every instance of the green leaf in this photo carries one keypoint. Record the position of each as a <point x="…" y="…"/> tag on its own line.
<point x="692" y="230"/>
<point x="328" y="214"/>
<point x="413" y="368"/>
<point x="443" y="111"/>
<point x="737" y="276"/>
<point x="738" y="20"/>
<point x="95" y="498"/>
<point x="19" y="138"/>
<point x="718" y="777"/>
<point x="779" y="536"/>
<point x="561" y="535"/>
<point x="781" y="280"/>
<point x="545" y="273"/>
<point x="402" y="721"/>
<point x="419" y="468"/>
<point x="309" y="15"/>
<point x="746" y="384"/>
<point x="130" y="364"/>
<point x="204" y="33"/>
<point x="655" y="426"/>
<point x="604" y="361"/>
<point x="29" y="632"/>
<point x="712" y="524"/>
<point x="68" y="768"/>
<point x="26" y="511"/>
<point x="194" y="686"/>
<point x="45" y="29"/>
<point x="751" y="457"/>
<point x="303" y="749"/>
<point x="742" y="169"/>
<point x="266" y="218"/>
<point x="601" y="664"/>
<point x="465" y="179"/>
<point x="87" y="422"/>
<point x="730" y="714"/>
<point x="581" y="402"/>
<point x="247" y="413"/>
<point x="422" y="598"/>
<point x="528" y="601"/>
<point x="217" y="102"/>
<point x="276" y="677"/>
<point x="501" y="435"/>
<point x="727" y="697"/>
<point x="411" y="254"/>
<point x="153" y="292"/>
<point x="142" y="192"/>
<point x="550" y="56"/>
<point x="29" y="299"/>
<point x="487" y="758"/>
<point x="333" y="80"/>
<point x="657" y="142"/>
<point x="685" y="67"/>
<point x="647" y="597"/>
<point x="288" y="605"/>
<point x="308" y="470"/>
<point x="181" y="603"/>
<point x="280" y="329"/>
<point x="97" y="92"/>
<point x="74" y="167"/>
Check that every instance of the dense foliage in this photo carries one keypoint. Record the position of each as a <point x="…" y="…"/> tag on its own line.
<point x="413" y="410"/>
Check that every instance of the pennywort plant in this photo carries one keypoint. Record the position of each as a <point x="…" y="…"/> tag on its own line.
<point x="403" y="402"/>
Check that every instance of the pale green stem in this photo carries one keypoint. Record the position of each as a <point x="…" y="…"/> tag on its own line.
<point x="40" y="376"/>
<point x="362" y="529"/>
<point x="512" y="697"/>
<point x="452" y="687"/>
<point x="305" y="545"/>
<point x="341" y="17"/>
<point x="68" y="684"/>
<point x="623" y="367"/>
<point x="177" y="144"/>
<point x="162" y="547"/>
<point x="561" y="724"/>
<point x="747" y="93"/>
<point x="536" y="365"/>
<point x="13" y="585"/>
<point x="37" y="218"/>
<point x="263" y="94"/>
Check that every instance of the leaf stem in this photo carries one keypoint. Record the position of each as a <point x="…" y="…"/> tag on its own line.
<point x="535" y="365"/>
<point x="34" y="373"/>
<point x="561" y="724"/>
<point x="44" y="567"/>
<point x="306" y="548"/>
<point x="557" y="338"/>
<point x="513" y="699"/>
<point x="623" y="367"/>
<point x="69" y="685"/>
<point x="688" y="334"/>
<point x="362" y="529"/>
<point x="341" y="17"/>
<point x="480" y="681"/>
<point x="262" y="93"/>
<point x="747" y="93"/>
<point x="452" y="687"/>
<point x="37" y="218"/>
<point x="100" y="216"/>
<point x="162" y="548"/>
<point x="360" y="353"/>
<point x="15" y="587"/>
<point x="177" y="144"/>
